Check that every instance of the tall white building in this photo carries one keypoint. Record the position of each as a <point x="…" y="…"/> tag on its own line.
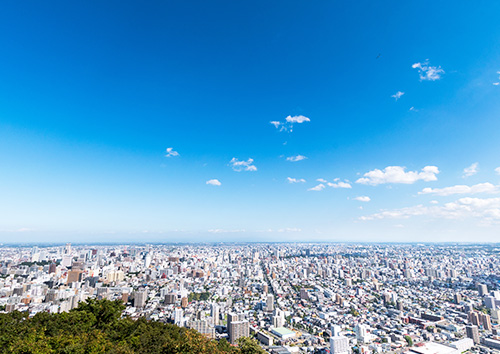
<point x="278" y="318"/>
<point x="362" y="333"/>
<point x="339" y="344"/>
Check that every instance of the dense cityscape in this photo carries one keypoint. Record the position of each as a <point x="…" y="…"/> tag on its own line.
<point x="292" y="298"/>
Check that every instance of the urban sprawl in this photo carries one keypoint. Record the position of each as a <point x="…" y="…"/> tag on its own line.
<point x="293" y="298"/>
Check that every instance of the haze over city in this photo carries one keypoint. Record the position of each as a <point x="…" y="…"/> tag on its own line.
<point x="276" y="121"/>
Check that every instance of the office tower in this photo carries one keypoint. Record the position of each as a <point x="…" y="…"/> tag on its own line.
<point x="67" y="249"/>
<point x="140" y="298"/>
<point x="52" y="268"/>
<point x="265" y="288"/>
<point x="339" y="344"/>
<point x="472" y="333"/>
<point x="184" y="302"/>
<point x="483" y="289"/>
<point x="270" y="303"/>
<point x="457" y="298"/>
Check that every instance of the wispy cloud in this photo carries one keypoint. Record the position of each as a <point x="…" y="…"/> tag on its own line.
<point x="322" y="180"/>
<point x="497" y="83"/>
<point x="239" y="166"/>
<point x="398" y="95"/>
<point x="397" y="174"/>
<point x="287" y="125"/>
<point x="487" y="209"/>
<point x="290" y="229"/>
<point x="413" y="109"/>
<point x="171" y="153"/>
<point x="363" y="198"/>
<point x="213" y="182"/>
<point x="462" y="189"/>
<point x="295" y="180"/>
<point x="317" y="188"/>
<point x="225" y="231"/>
<point x="428" y="72"/>
<point x="339" y="184"/>
<point x="296" y="158"/>
<point x="497" y="170"/>
<point x="471" y="170"/>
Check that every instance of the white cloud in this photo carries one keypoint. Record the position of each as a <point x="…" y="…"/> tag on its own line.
<point x="339" y="185"/>
<point x="296" y="158"/>
<point x="295" y="180"/>
<point x="463" y="189"/>
<point x="471" y="170"/>
<point x="213" y="182"/>
<point x="224" y="231"/>
<point x="397" y="174"/>
<point x="485" y="209"/>
<point x="297" y="119"/>
<point x="290" y="229"/>
<point x="171" y="153"/>
<point x="413" y="109"/>
<point x="398" y="95"/>
<point x="434" y="202"/>
<point x="363" y="198"/>
<point x="497" y="170"/>
<point x="317" y="188"/>
<point x="427" y="72"/>
<point x="322" y="180"/>
<point x="497" y="83"/>
<point x="239" y="166"/>
<point x="287" y="125"/>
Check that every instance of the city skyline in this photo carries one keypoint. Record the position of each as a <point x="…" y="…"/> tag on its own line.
<point x="207" y="122"/>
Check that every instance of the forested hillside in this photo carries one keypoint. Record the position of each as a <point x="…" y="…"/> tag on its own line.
<point x="96" y="327"/>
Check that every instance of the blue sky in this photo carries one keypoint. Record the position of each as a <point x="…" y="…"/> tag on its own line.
<point x="286" y="121"/>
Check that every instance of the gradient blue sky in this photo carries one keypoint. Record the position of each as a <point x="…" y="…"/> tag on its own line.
<point x="92" y="93"/>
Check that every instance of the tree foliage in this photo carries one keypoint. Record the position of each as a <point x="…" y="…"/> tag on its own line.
<point x="96" y="326"/>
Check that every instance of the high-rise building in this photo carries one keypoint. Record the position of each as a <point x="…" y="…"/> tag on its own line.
<point x="203" y="327"/>
<point x="170" y="299"/>
<point x="489" y="302"/>
<point x="278" y="318"/>
<point x="457" y="298"/>
<point x="238" y="329"/>
<point x="486" y="321"/>
<point x="361" y="333"/>
<point x="472" y="333"/>
<point x="184" y="302"/>
<point x="339" y="344"/>
<point x="482" y="289"/>
<point x="473" y="318"/>
<point x="179" y="317"/>
<point x="74" y="276"/>
<point x="52" y="268"/>
<point x="140" y="298"/>
<point x="215" y="313"/>
<point x="270" y="303"/>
